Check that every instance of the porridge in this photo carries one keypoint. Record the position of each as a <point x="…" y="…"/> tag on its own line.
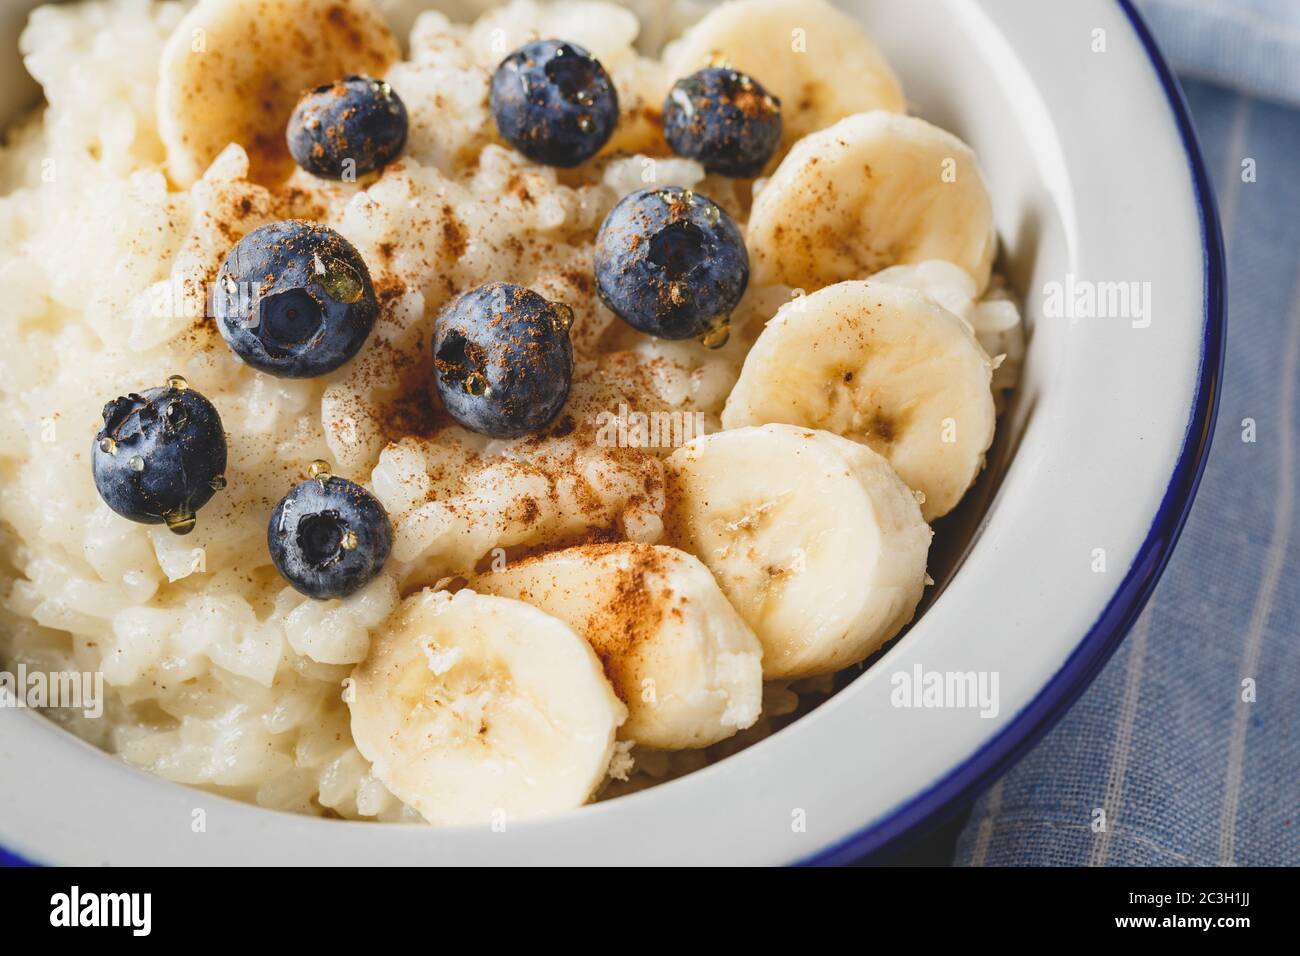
<point x="440" y="411"/>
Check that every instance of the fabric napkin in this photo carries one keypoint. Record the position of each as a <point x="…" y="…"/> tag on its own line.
<point x="1252" y="46"/>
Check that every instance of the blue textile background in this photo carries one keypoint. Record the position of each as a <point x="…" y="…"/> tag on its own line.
<point x="1186" y="771"/>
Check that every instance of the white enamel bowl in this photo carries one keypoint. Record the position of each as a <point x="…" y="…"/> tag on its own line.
<point x="1095" y="173"/>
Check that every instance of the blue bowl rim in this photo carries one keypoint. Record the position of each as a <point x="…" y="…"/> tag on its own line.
<point x="881" y="840"/>
<point x="996" y="757"/>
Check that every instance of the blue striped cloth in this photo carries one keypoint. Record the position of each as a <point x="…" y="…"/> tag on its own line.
<point x="1252" y="46"/>
<point x="1187" y="772"/>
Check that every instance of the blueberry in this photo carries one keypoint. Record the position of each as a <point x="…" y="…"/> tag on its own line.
<point x="160" y="456"/>
<point x="502" y="360"/>
<point x="554" y="102"/>
<point x="671" y="263"/>
<point x="328" y="536"/>
<point x="348" y="128"/>
<point x="724" y="119"/>
<point x="294" y="299"/>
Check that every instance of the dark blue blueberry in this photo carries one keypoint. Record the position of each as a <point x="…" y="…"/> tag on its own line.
<point x="671" y="263"/>
<point x="347" y="129"/>
<point x="328" y="536"/>
<point x="502" y="360"/>
<point x="554" y="102"/>
<point x="160" y="456"/>
<point x="294" y="299"/>
<point x="724" y="119"/>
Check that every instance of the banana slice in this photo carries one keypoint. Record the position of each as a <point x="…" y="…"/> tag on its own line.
<point x="802" y="51"/>
<point x="884" y="365"/>
<point x="681" y="658"/>
<point x="233" y="70"/>
<point x="995" y="319"/>
<point x="813" y="538"/>
<point x="478" y="709"/>
<point x="872" y="191"/>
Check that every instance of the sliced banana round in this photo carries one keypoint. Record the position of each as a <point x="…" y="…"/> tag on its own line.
<point x="232" y="72"/>
<point x="813" y="538"/>
<point x="872" y="191"/>
<point x="883" y="365"/>
<point x="801" y="51"/>
<point x="481" y="709"/>
<point x="995" y="319"/>
<point x="685" y="663"/>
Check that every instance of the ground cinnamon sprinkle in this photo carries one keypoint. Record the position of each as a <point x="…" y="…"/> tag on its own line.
<point x="629" y="609"/>
<point x="580" y="282"/>
<point x="524" y="511"/>
<point x="454" y="236"/>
